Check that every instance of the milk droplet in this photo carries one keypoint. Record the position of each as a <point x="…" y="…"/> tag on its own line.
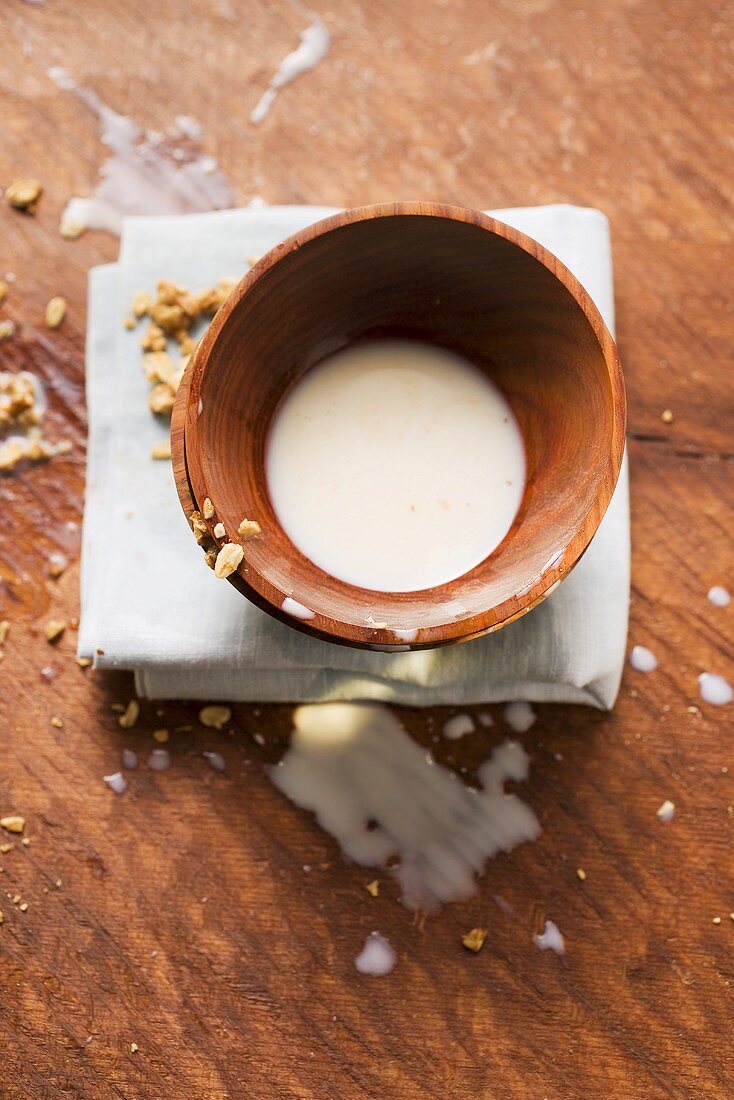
<point x="719" y="596"/>
<point x="715" y="689"/>
<point x="643" y="659"/>
<point x="159" y="760"/>
<point x="519" y="716"/>
<point x="458" y="726"/>
<point x="407" y="635"/>
<point x="486" y="720"/>
<point x="296" y="609"/>
<point x="216" y="761"/>
<point x="117" y="782"/>
<point x="377" y="957"/>
<point x="314" y="45"/>
<point x="666" y="812"/>
<point x="550" y="939"/>
<point x="129" y="759"/>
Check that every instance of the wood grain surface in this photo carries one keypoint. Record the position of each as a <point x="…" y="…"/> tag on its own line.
<point x="183" y="921"/>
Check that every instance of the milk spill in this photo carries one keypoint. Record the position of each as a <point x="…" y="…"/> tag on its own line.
<point x="458" y="726"/>
<point x="314" y="46"/>
<point x="719" y="596"/>
<point x="296" y="609"/>
<point x="384" y="799"/>
<point x="146" y="172"/>
<point x="715" y="689"/>
<point x="519" y="716"/>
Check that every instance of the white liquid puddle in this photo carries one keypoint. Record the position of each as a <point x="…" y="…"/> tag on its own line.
<point x="715" y="689"/>
<point x="377" y="957"/>
<point x="355" y="767"/>
<point x="643" y="659"/>
<point x="146" y="173"/>
<point x="550" y="939"/>
<point x="313" y="47"/>
<point x="666" y="812"/>
<point x="719" y="596"/>
<point x="458" y="726"/>
<point x="401" y="439"/>
<point x="296" y="609"/>
<point x="407" y="635"/>
<point x="519" y="716"/>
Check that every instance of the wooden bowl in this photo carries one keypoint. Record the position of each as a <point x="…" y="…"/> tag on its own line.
<point x="447" y="275"/>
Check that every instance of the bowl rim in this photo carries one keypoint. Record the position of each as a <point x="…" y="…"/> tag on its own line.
<point x="256" y="586"/>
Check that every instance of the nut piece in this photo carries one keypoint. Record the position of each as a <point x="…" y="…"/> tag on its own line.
<point x="4" y="631"/>
<point x="130" y="715"/>
<point x="141" y="304"/>
<point x="220" y="531"/>
<point x="208" y="509"/>
<point x="210" y="556"/>
<point x="83" y="662"/>
<point x="249" y="529"/>
<point x="154" y="339"/>
<point x="200" y="529"/>
<point x="228" y="558"/>
<point x="12" y="824"/>
<point x="667" y="416"/>
<point x="53" y="629"/>
<point x="373" y="887"/>
<point x="161" y="736"/>
<point x="24" y="194"/>
<point x="57" y="723"/>
<point x="158" y="366"/>
<point x="215" y="717"/>
<point x="55" y="312"/>
<point x="161" y="450"/>
<point x="474" y="940"/>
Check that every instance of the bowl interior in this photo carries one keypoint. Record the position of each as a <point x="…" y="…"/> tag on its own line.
<point x="454" y="283"/>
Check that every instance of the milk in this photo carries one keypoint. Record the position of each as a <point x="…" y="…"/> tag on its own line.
<point x="395" y="465"/>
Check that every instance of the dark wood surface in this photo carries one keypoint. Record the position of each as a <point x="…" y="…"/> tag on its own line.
<point x="184" y="922"/>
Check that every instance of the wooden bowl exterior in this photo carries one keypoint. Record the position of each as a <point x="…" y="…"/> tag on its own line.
<point x="446" y="275"/>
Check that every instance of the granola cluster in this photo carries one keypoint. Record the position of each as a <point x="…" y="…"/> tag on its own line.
<point x="171" y="314"/>
<point x="21" y="410"/>
<point x="223" y="559"/>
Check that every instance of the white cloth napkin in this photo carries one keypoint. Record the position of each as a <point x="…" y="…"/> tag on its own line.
<point x="149" y="604"/>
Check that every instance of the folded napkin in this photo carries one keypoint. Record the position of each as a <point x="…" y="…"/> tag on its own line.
<point x="149" y="604"/>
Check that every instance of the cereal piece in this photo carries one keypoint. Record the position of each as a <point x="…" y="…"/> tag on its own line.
<point x="57" y="722"/>
<point x="55" y="312"/>
<point x="14" y="823"/>
<point x="154" y="339"/>
<point x="161" y="451"/>
<point x="208" y="509"/>
<point x="161" y="736"/>
<point x="158" y="366"/>
<point x="228" y="558"/>
<point x="7" y="328"/>
<point x="4" y="631"/>
<point x="83" y="662"/>
<point x="249" y="529"/>
<point x="53" y="630"/>
<point x="373" y="887"/>
<point x="160" y="400"/>
<point x="220" y="531"/>
<point x="215" y="717"/>
<point x="24" y="194"/>
<point x="474" y="940"/>
<point x="130" y="715"/>
<point x="141" y="304"/>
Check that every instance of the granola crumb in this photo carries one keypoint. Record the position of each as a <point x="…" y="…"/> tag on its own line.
<point x="55" y="312"/>
<point x="4" y="631"/>
<point x="215" y="716"/>
<point x="228" y="558"/>
<point x="130" y="715"/>
<point x="373" y="887"/>
<point x="210" y="556"/>
<point x="129" y="322"/>
<point x="220" y="531"/>
<point x="134" y="1048"/>
<point x="141" y="304"/>
<point x="14" y="823"/>
<point x="154" y="339"/>
<point x="70" y="230"/>
<point x="3" y="290"/>
<point x="7" y="328"/>
<point x="26" y="840"/>
<point x="254" y="258"/>
<point x="474" y="940"/>
<point x="84" y="662"/>
<point x="716" y="920"/>
<point x="23" y="906"/>
<point x="249" y="529"/>
<point x="667" y="416"/>
<point x="199" y="527"/>
<point x="161" y="451"/>
<point x="53" y="630"/>
<point x="160" y="399"/>
<point x="208" y="509"/>
<point x="581" y="874"/>
<point x="23" y="194"/>
<point x="4" y="848"/>
<point x="57" y="722"/>
<point x="161" y="736"/>
<point x="158" y="366"/>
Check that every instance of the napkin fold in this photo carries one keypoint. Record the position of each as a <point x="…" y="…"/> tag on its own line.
<point x="151" y="606"/>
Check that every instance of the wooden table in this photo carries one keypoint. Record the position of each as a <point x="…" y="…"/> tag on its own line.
<point x="179" y="917"/>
